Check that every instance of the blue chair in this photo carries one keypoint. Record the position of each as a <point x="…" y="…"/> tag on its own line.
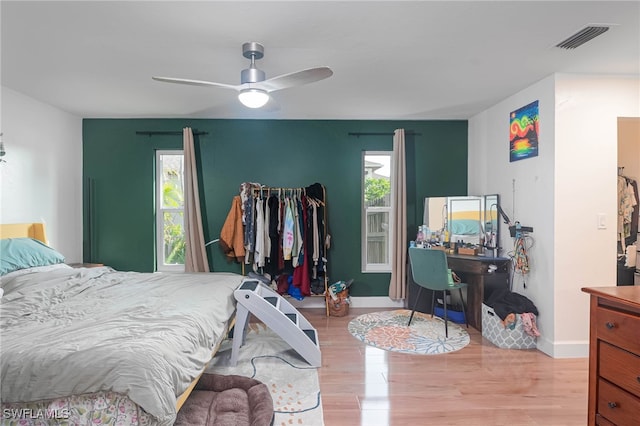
<point x="430" y="270"/>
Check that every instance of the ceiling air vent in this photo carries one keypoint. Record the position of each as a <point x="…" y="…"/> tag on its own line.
<point x="583" y="36"/>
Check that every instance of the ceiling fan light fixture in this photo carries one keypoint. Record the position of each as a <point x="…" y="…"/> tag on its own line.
<point x="254" y="87"/>
<point x="253" y="98"/>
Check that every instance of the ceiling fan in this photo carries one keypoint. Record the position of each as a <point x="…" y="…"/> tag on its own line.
<point x="254" y="87"/>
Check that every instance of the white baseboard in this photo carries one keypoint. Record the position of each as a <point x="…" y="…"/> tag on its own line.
<point x="376" y="302"/>
<point x="308" y="302"/>
<point x="356" y="302"/>
<point x="567" y="349"/>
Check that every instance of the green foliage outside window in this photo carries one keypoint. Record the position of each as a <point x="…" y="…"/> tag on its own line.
<point x="174" y="241"/>
<point x="376" y="188"/>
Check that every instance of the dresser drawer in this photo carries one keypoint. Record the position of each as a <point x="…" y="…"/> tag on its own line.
<point x="601" y="421"/>
<point x="616" y="405"/>
<point x="620" y="367"/>
<point x="618" y="328"/>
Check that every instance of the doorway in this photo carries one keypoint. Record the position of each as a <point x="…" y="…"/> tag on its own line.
<point x="628" y="269"/>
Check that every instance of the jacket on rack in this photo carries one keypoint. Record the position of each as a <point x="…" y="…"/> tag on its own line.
<point x="232" y="233"/>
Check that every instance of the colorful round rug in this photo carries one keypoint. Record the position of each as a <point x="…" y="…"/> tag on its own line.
<point x="388" y="330"/>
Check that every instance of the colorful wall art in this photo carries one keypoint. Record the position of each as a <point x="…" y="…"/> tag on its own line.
<point x="523" y="132"/>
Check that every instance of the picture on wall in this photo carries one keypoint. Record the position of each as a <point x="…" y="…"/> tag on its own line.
<point x="523" y="132"/>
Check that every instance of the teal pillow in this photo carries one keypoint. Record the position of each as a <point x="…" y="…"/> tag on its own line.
<point x="21" y="253"/>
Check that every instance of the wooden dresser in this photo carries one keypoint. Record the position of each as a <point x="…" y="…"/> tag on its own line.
<point x="614" y="356"/>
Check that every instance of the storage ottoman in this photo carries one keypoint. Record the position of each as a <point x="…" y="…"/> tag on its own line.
<point x="494" y="331"/>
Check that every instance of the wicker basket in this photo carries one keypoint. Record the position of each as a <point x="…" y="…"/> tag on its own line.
<point x="340" y="307"/>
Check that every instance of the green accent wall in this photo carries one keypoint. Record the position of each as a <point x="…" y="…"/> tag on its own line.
<point x="118" y="173"/>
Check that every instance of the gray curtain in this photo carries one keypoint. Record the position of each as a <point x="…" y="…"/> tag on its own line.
<point x="195" y="257"/>
<point x="397" y="286"/>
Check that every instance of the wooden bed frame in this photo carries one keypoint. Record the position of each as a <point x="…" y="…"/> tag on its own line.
<point x="37" y="231"/>
<point x="24" y="230"/>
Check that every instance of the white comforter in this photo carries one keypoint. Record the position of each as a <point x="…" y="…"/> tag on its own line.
<point x="146" y="335"/>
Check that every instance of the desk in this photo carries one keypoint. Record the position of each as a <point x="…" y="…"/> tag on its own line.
<point x="473" y="270"/>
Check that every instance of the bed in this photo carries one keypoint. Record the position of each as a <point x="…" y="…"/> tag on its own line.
<point x="100" y="346"/>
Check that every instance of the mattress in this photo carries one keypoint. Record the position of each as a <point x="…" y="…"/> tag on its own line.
<point x="108" y="336"/>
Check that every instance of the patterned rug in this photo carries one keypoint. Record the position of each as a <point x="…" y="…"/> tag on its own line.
<point x="388" y="330"/>
<point x="266" y="357"/>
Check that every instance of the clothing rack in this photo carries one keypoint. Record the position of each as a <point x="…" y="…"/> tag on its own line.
<point x="314" y="275"/>
<point x="270" y="189"/>
<point x="281" y="189"/>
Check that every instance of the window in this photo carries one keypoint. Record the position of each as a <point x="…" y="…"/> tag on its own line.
<point x="170" y="240"/>
<point x="376" y="212"/>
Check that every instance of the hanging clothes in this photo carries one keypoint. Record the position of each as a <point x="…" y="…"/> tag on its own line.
<point x="297" y="232"/>
<point x="284" y="235"/>
<point x="281" y="206"/>
<point x="627" y="203"/>
<point x="316" y="233"/>
<point x="246" y="191"/>
<point x="259" y="256"/>
<point x="287" y="242"/>
<point x="248" y="206"/>
<point x="295" y="247"/>
<point x="232" y="233"/>
<point x="274" y="234"/>
<point x="266" y="238"/>
<point x="631" y="239"/>
<point x="316" y="193"/>
<point x="301" y="277"/>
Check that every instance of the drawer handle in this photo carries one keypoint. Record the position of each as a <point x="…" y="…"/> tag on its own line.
<point x="610" y="325"/>
<point x="612" y="404"/>
<point x="638" y="379"/>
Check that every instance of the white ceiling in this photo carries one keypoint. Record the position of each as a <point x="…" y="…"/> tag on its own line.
<point x="391" y="60"/>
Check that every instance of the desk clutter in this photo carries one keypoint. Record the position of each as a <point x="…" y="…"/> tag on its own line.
<point x="440" y="240"/>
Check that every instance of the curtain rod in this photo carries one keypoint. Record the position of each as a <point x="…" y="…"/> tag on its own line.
<point x="152" y="132"/>
<point x="358" y="134"/>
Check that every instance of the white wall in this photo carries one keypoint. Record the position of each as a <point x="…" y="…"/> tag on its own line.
<point x="525" y="188"/>
<point x="559" y="193"/>
<point x="587" y="114"/>
<point x="41" y="180"/>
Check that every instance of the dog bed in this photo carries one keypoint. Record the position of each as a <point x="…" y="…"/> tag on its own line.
<point x="219" y="400"/>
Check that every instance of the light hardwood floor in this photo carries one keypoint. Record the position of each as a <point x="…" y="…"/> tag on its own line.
<point x="478" y="385"/>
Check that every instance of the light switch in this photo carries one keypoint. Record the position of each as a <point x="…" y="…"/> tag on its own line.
<point x="602" y="221"/>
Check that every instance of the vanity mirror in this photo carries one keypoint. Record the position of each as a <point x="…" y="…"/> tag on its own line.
<point x="472" y="219"/>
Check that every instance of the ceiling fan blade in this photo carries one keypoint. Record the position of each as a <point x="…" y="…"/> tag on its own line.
<point x="196" y="82"/>
<point x="297" y="78"/>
